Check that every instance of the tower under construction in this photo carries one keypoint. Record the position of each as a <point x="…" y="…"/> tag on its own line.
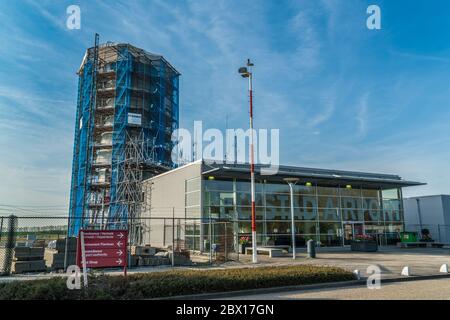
<point x="127" y="111"/>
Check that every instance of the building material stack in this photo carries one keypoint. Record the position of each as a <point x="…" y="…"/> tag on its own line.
<point x="54" y="258"/>
<point x="147" y="256"/>
<point x="28" y="259"/>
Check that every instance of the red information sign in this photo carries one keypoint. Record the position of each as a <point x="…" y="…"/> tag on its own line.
<point x="103" y="248"/>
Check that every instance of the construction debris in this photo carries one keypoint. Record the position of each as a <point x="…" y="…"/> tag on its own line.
<point x="147" y="256"/>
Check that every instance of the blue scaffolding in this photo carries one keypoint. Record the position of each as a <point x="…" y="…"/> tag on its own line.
<point x="138" y="75"/>
<point x="82" y="159"/>
<point x="118" y="209"/>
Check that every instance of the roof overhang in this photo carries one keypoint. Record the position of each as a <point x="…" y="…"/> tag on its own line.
<point x="319" y="176"/>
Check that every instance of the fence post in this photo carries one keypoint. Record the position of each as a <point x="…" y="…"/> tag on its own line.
<point x="1" y="228"/>
<point x="10" y="244"/>
<point x="226" y="230"/>
<point x="66" y="245"/>
<point x="173" y="237"/>
<point x="210" y="239"/>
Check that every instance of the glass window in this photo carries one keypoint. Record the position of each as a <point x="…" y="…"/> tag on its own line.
<point x="353" y="192"/>
<point x="333" y="228"/>
<point x="371" y="204"/>
<point x="309" y="212"/>
<point x="246" y="186"/>
<point x="246" y="227"/>
<point x="245" y="199"/>
<point x="392" y="210"/>
<point x="374" y="228"/>
<point x="351" y="209"/>
<point x="278" y="200"/>
<point x="220" y="212"/>
<point x="330" y="214"/>
<point x="192" y="229"/>
<point x="328" y="202"/>
<point x="306" y="227"/>
<point x="328" y="191"/>
<point x="277" y="213"/>
<point x="245" y="213"/>
<point x="218" y="198"/>
<point x="274" y="227"/>
<point x="303" y="189"/>
<point x="373" y="215"/>
<point x="372" y="210"/>
<point x="370" y="193"/>
<point x="390" y="194"/>
<point x="330" y="240"/>
<point x="222" y="185"/>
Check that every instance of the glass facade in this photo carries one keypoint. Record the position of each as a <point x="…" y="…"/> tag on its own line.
<point x="330" y="215"/>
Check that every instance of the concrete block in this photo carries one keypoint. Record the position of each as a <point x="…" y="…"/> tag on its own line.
<point x="444" y="268"/>
<point x="55" y="260"/>
<point x="71" y="244"/>
<point x="134" y="260"/>
<point x="406" y="271"/>
<point x="27" y="254"/>
<point x="28" y="266"/>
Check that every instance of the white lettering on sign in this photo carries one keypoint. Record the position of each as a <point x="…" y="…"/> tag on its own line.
<point x="135" y="119"/>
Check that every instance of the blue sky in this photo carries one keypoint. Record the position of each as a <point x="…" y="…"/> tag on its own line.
<point x="343" y="96"/>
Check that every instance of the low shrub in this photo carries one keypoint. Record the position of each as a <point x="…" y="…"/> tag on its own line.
<point x="173" y="283"/>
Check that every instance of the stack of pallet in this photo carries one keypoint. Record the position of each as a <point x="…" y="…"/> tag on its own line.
<point x="28" y="259"/>
<point x="54" y="258"/>
<point x="146" y="256"/>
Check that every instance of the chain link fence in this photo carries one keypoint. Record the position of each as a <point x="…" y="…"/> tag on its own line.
<point x="41" y="244"/>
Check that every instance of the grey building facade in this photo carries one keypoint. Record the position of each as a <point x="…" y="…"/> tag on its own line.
<point x="429" y="212"/>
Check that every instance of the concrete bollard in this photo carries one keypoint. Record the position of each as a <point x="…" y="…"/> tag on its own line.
<point x="406" y="271"/>
<point x="357" y="274"/>
<point x="444" y="268"/>
<point x="311" y="248"/>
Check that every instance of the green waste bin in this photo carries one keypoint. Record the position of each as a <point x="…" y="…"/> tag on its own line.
<point x="408" y="237"/>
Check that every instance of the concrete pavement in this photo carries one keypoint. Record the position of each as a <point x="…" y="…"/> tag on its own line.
<point x="411" y="290"/>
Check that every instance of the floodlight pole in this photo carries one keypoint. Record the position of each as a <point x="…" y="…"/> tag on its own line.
<point x="246" y="72"/>
<point x="291" y="182"/>
<point x="252" y="166"/>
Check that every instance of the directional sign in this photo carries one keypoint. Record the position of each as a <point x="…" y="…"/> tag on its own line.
<point x="103" y="248"/>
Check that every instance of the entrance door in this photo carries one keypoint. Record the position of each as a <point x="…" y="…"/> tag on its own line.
<point x="352" y="230"/>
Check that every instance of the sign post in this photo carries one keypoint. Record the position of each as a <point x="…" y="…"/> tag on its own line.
<point x="83" y="258"/>
<point x="102" y="249"/>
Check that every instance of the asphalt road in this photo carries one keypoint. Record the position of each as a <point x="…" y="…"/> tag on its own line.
<point x="411" y="290"/>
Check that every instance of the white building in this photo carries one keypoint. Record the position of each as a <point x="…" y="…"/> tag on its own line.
<point x="430" y="212"/>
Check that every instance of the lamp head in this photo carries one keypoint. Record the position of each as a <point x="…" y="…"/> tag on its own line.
<point x="291" y="180"/>
<point x="244" y="72"/>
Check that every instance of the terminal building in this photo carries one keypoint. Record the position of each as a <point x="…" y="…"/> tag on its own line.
<point x="330" y="206"/>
